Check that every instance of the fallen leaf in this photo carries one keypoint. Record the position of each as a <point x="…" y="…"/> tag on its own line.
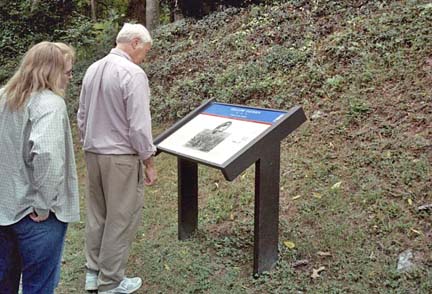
<point x="336" y="186"/>
<point x="316" y="195"/>
<point x="424" y="207"/>
<point x="416" y="231"/>
<point x="166" y="267"/>
<point x="316" y="272"/>
<point x="296" y="197"/>
<point x="289" y="244"/>
<point x="325" y="254"/>
<point x="300" y="262"/>
<point x="410" y="202"/>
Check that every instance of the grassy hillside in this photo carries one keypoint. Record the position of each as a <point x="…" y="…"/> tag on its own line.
<point x="352" y="177"/>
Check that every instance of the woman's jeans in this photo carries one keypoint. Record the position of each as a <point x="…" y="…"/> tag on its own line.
<point x="33" y="250"/>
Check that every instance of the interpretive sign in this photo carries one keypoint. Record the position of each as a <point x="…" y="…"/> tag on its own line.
<point x="231" y="138"/>
<point x="219" y="132"/>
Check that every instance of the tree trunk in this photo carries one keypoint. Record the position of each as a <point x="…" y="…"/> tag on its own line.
<point x="137" y="11"/>
<point x="93" y="9"/>
<point x="176" y="13"/>
<point x="152" y="14"/>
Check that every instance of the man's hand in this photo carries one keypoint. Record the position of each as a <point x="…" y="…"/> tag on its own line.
<point x="150" y="174"/>
<point x="37" y="218"/>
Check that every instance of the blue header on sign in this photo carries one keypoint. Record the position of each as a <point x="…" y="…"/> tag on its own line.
<point x="244" y="113"/>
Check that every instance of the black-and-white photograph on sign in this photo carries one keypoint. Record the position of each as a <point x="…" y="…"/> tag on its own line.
<point x="219" y="132"/>
<point x="207" y="139"/>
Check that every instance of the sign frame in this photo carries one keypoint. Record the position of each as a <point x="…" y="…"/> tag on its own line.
<point x="244" y="157"/>
<point x="264" y="152"/>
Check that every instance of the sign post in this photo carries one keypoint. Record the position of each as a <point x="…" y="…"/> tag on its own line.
<point x="266" y="237"/>
<point x="187" y="198"/>
<point x="231" y="138"/>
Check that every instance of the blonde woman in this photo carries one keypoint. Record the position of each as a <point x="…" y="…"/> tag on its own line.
<point x="39" y="192"/>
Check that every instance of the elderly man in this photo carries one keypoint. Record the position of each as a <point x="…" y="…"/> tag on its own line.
<point x="115" y="130"/>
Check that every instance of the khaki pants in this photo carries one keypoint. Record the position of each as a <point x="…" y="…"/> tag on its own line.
<point x="114" y="202"/>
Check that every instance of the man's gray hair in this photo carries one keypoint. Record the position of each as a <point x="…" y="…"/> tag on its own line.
<point x="130" y="31"/>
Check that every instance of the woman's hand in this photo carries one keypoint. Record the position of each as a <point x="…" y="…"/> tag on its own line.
<point x="37" y="218"/>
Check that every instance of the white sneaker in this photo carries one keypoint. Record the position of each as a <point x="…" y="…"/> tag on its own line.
<point x="127" y="286"/>
<point x="91" y="281"/>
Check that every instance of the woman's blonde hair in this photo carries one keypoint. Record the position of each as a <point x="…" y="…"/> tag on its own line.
<point x="42" y="68"/>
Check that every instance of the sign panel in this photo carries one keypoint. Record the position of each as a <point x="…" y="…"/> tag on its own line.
<point x="220" y="131"/>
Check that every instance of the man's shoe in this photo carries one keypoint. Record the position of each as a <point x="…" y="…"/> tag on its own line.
<point x="91" y="281"/>
<point x="127" y="286"/>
